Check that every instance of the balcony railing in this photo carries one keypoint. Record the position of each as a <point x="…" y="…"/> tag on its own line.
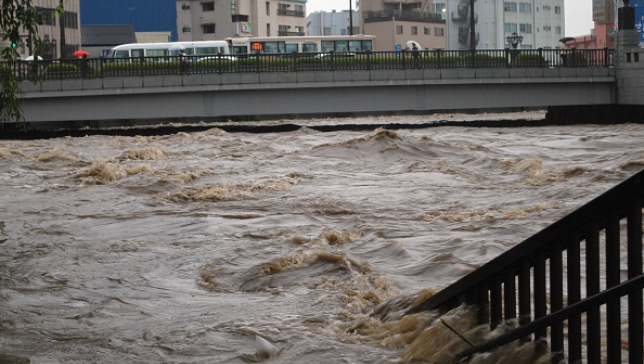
<point x="408" y="15"/>
<point x="283" y="33"/>
<point x="357" y="59"/>
<point x="295" y="13"/>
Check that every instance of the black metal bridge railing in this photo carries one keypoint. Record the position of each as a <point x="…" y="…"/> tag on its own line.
<point x="349" y="60"/>
<point x="579" y="281"/>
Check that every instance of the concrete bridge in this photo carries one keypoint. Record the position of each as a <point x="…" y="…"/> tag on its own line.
<point x="280" y="89"/>
<point x="251" y="95"/>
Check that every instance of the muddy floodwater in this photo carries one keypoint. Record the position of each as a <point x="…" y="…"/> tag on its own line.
<point x="195" y="247"/>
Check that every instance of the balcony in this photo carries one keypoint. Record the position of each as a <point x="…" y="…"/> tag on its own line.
<point x="404" y="15"/>
<point x="282" y="33"/>
<point x="294" y="13"/>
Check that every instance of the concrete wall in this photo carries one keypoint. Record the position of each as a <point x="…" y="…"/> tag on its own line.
<point x="630" y="68"/>
<point x="200" y="97"/>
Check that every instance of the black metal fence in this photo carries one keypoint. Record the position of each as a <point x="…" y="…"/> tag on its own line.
<point x="600" y="245"/>
<point x="422" y="59"/>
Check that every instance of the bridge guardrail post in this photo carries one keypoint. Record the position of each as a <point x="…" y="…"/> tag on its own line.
<point x="542" y="61"/>
<point x="439" y="53"/>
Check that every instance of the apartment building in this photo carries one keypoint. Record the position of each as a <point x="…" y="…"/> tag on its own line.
<point x="333" y="23"/>
<point x="540" y="23"/>
<point x="212" y="20"/>
<point x="52" y="35"/>
<point x="395" y="22"/>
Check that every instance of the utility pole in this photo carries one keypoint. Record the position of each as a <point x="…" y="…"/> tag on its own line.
<point x="472" y="29"/>
<point x="63" y="53"/>
<point x="350" y="18"/>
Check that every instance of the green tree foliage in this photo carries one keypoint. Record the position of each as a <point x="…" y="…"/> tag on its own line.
<point x="16" y="17"/>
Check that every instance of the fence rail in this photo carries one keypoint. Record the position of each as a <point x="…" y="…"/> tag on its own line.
<point x="294" y="62"/>
<point x="599" y="244"/>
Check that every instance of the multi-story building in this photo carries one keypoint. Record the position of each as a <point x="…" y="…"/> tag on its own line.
<point x="333" y="23"/>
<point x="395" y="22"/>
<point x="540" y="23"/>
<point x="52" y="34"/>
<point x="212" y="20"/>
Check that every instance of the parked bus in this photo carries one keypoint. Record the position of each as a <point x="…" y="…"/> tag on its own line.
<point x="302" y="44"/>
<point x="192" y="49"/>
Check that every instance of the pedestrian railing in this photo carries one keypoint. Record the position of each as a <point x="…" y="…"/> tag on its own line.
<point x="577" y="281"/>
<point x="296" y="62"/>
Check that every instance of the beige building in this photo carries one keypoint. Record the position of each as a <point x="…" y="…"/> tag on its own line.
<point x="50" y="30"/>
<point x="395" y="22"/>
<point x="216" y="20"/>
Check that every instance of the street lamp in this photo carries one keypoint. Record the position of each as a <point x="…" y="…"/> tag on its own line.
<point x="514" y="39"/>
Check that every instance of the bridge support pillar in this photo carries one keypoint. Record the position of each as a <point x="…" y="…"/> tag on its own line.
<point x="629" y="65"/>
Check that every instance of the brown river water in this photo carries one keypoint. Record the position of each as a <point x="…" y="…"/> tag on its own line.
<point x="186" y="248"/>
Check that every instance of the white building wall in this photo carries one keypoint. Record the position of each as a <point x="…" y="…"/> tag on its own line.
<point x="543" y="24"/>
<point x="335" y="22"/>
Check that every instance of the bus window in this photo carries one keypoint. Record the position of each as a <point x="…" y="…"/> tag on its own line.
<point x="205" y="51"/>
<point x="341" y="46"/>
<point x="154" y="52"/>
<point x="273" y="47"/>
<point x="240" y="49"/>
<point x="327" y="46"/>
<point x="122" y="54"/>
<point x="356" y="46"/>
<point x="291" y="48"/>
<point x="137" y="53"/>
<point x="309" y="47"/>
<point x="367" y="45"/>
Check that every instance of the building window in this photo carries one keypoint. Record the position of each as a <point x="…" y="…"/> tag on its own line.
<point x="268" y="30"/>
<point x="525" y="8"/>
<point x="510" y="27"/>
<point x="546" y="8"/>
<point x="557" y="30"/>
<point x="525" y="28"/>
<point x="208" y="28"/>
<point x="299" y="30"/>
<point x="326" y="31"/>
<point x="547" y="28"/>
<point x="45" y="16"/>
<point x="399" y="29"/>
<point x="240" y="18"/>
<point x="414" y="30"/>
<point x="299" y="9"/>
<point x="439" y="32"/>
<point x="186" y="30"/>
<point x="508" y="6"/>
<point x="185" y="7"/>
<point x="268" y="8"/>
<point x="208" y="6"/>
<point x="428" y="31"/>
<point x="71" y="20"/>
<point x="557" y="9"/>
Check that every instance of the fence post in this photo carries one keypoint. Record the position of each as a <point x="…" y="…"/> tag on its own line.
<point x="541" y="60"/>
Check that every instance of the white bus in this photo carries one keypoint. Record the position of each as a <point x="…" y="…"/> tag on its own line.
<point x="302" y="44"/>
<point x="193" y="49"/>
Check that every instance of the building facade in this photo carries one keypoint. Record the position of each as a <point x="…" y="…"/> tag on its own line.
<point x="396" y="22"/>
<point x="50" y="30"/>
<point x="215" y="20"/>
<point x="333" y="23"/>
<point x="540" y="23"/>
